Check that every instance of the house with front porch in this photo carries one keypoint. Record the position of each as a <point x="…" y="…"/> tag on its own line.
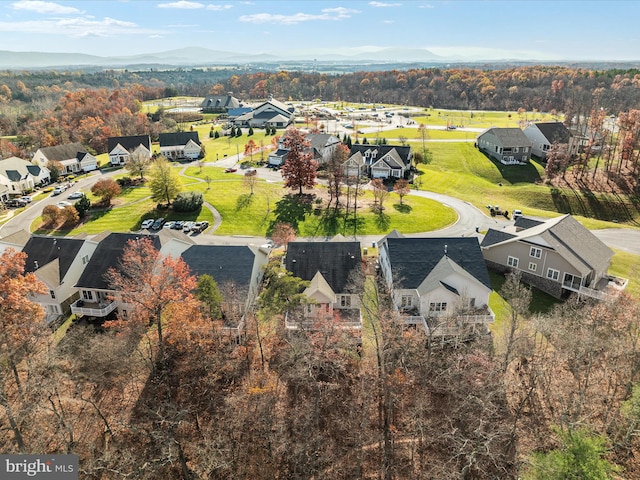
<point x="73" y="158"/>
<point x="383" y="161"/>
<point x="334" y="271"/>
<point x="20" y="176"/>
<point x="121" y="148"/>
<point x="509" y="146"/>
<point x="558" y="256"/>
<point x="439" y="284"/>
<point x="180" y="145"/>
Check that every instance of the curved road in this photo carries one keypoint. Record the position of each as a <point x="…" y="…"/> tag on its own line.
<point x="469" y="217"/>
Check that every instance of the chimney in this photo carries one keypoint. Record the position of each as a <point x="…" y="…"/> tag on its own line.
<point x="445" y="250"/>
<point x="35" y="264"/>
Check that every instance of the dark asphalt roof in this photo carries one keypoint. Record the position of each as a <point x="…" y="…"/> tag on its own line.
<point x="495" y="236"/>
<point x="130" y="143"/>
<point x="334" y="260"/>
<point x="178" y="138"/>
<point x="225" y="263"/>
<point x="42" y="250"/>
<point x="412" y="259"/>
<point x="106" y="256"/>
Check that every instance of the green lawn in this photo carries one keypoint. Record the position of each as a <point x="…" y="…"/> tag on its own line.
<point x="462" y="171"/>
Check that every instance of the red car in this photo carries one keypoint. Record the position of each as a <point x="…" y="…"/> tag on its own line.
<point x="230" y="170"/>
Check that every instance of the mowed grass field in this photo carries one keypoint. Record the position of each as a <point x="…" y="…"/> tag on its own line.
<point x="461" y="170"/>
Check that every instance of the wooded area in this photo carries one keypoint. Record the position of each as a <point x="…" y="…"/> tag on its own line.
<point x="167" y="393"/>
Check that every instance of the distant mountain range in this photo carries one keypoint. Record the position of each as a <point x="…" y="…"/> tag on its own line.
<point x="202" y="57"/>
<point x="198" y="56"/>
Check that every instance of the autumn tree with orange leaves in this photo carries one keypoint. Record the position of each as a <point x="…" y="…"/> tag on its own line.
<point x="300" y="169"/>
<point x="152" y="284"/>
<point x="20" y="318"/>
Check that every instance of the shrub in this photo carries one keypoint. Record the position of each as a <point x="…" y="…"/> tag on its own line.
<point x="188" y="201"/>
<point x="124" y="181"/>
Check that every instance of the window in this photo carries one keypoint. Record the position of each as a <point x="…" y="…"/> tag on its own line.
<point x="512" y="262"/>
<point x="515" y="149"/>
<point x="533" y="266"/>
<point x="553" y="274"/>
<point x="535" y="252"/>
<point x="406" y="301"/>
<point x="545" y="147"/>
<point x="438" y="307"/>
<point x="52" y="293"/>
<point x="345" y="301"/>
<point x="87" y="295"/>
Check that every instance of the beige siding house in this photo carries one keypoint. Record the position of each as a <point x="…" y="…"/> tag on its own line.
<point x="558" y="256"/>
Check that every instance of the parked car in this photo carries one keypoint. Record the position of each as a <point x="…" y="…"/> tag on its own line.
<point x="16" y="202"/>
<point x="64" y="204"/>
<point x="230" y="170"/>
<point x="517" y="213"/>
<point x="157" y="225"/>
<point x="76" y="195"/>
<point x="178" y="225"/>
<point x="200" y="226"/>
<point x="26" y="199"/>
<point x="148" y="223"/>
<point x="186" y="228"/>
<point x="169" y="224"/>
<point x="251" y="172"/>
<point x="59" y="189"/>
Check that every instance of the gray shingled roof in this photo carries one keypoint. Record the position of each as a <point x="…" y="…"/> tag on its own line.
<point x="404" y="152"/>
<point x="413" y="259"/>
<point x="225" y="263"/>
<point x="334" y="260"/>
<point x="107" y="255"/>
<point x="129" y="143"/>
<point x="178" y="138"/>
<point x="42" y="250"/>
<point x="554" y="131"/>
<point x="495" y="236"/>
<point x="63" y="152"/>
<point x="510" y="137"/>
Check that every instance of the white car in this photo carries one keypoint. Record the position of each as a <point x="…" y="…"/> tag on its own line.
<point x="147" y="223"/>
<point x="58" y="190"/>
<point x="76" y="195"/>
<point x="64" y="204"/>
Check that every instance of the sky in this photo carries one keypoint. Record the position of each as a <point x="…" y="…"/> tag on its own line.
<point x="476" y="29"/>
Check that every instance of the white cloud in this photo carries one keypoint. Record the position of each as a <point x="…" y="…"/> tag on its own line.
<point x="48" y="8"/>
<point x="426" y="5"/>
<point x="382" y="4"/>
<point x="78" y="27"/>
<point x="218" y="8"/>
<point x="183" y="4"/>
<point x="327" y="14"/>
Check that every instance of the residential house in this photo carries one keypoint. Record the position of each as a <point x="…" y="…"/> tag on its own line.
<point x="441" y="284"/>
<point x="544" y="134"/>
<point x="271" y="113"/>
<point x="334" y="270"/>
<point x="20" y="176"/>
<point x="558" y="256"/>
<point x="96" y="297"/>
<point x="355" y="166"/>
<point x="509" y="146"/>
<point x="121" y="148"/>
<point x="4" y="193"/>
<point x="16" y="240"/>
<point x="180" y="145"/>
<point x="382" y="161"/>
<point x="321" y="147"/>
<point x="73" y="157"/>
<point x="219" y="103"/>
<point x="237" y="270"/>
<point x="58" y="263"/>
